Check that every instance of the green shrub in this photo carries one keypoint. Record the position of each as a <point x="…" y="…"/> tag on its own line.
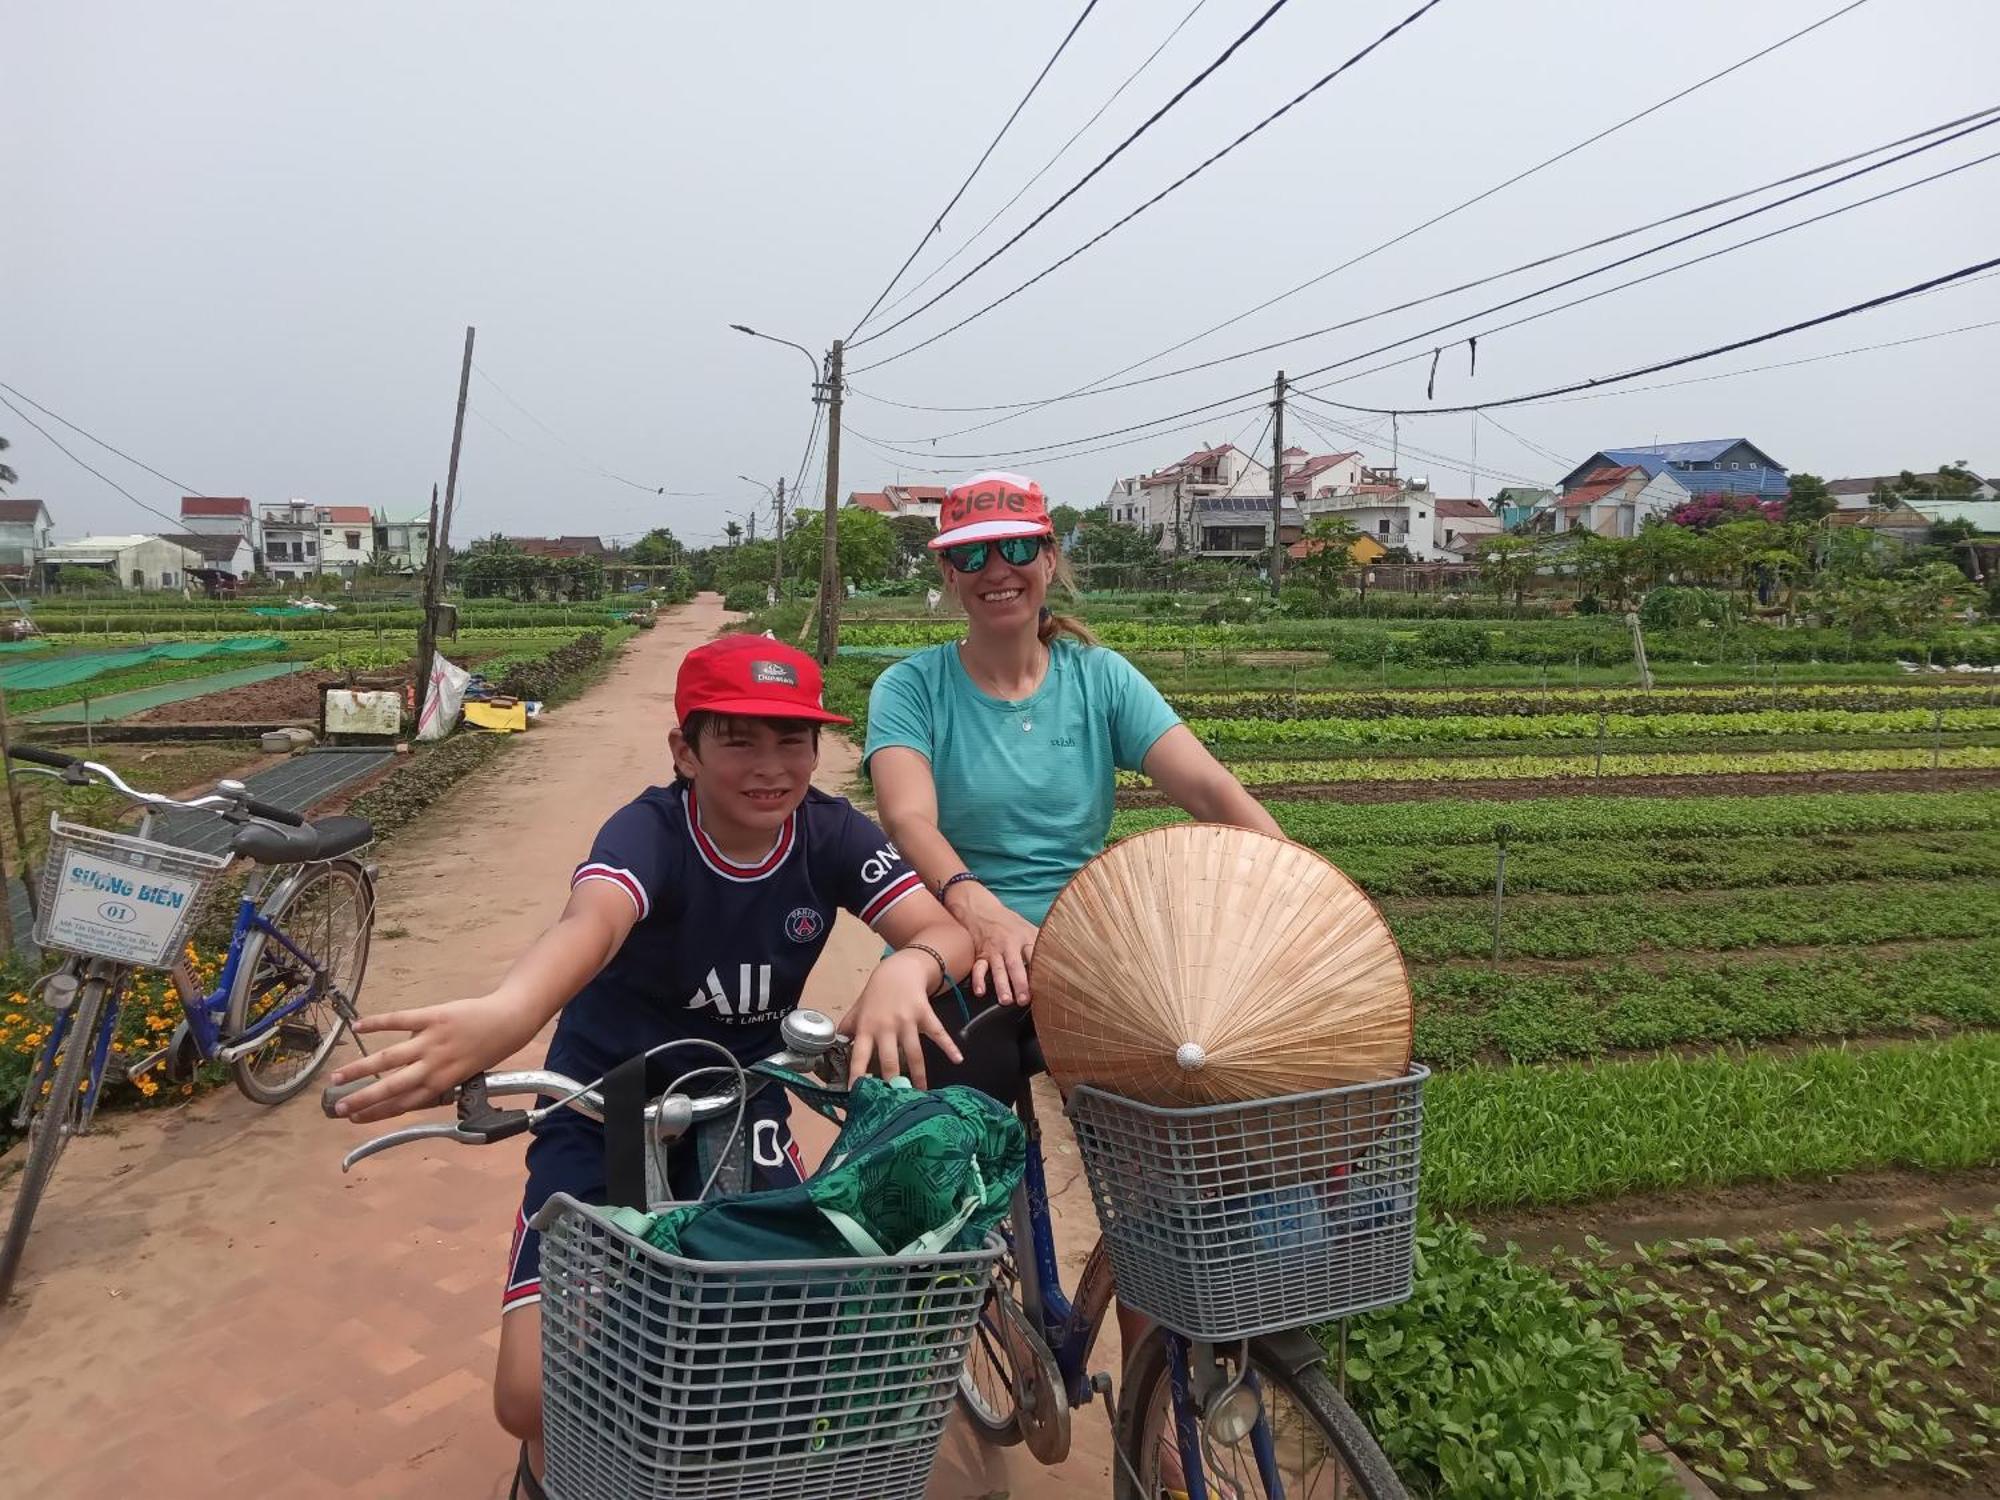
<point x="1677" y="608"/>
<point x="744" y="598"/>
<point x="1451" y="644"/>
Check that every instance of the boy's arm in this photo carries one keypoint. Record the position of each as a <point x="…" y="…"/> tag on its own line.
<point x="451" y="1042"/>
<point x="894" y="1010"/>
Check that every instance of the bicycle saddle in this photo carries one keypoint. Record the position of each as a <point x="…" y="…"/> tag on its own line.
<point x="326" y="839"/>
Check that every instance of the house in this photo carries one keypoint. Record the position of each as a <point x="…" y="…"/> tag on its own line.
<point x="1239" y="526"/>
<point x="561" y="546"/>
<point x="133" y="562"/>
<point x="1311" y="476"/>
<point x="1617" y="499"/>
<point x="1458" y="526"/>
<point x="873" y="500"/>
<point x="402" y="546"/>
<point x="1171" y="494"/>
<point x="227" y="558"/>
<point x="25" y="533"/>
<point x="1732" y="466"/>
<point x="1897" y="523"/>
<point x="923" y="500"/>
<point x="1857" y="493"/>
<point x="346" y="539"/>
<point x="1395" y="514"/>
<point x="291" y="539"/>
<point x="221" y="515"/>
<point x="1126" y="504"/>
<point x="1362" y="551"/>
<point x="1983" y="514"/>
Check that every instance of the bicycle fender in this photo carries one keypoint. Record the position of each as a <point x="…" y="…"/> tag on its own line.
<point x="1294" y="1350"/>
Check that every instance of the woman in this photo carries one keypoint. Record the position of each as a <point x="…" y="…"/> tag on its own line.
<point x="995" y="758"/>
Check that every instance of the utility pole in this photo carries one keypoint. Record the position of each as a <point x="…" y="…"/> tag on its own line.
<point x="778" y="568"/>
<point x="1277" y="481"/>
<point x="829" y="558"/>
<point x="441" y="538"/>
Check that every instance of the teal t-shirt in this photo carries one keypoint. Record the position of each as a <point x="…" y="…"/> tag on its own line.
<point x="1024" y="788"/>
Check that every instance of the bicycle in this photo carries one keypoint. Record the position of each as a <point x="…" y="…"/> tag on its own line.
<point x="758" y="1380"/>
<point x="115" y="903"/>
<point x="1248" y="1409"/>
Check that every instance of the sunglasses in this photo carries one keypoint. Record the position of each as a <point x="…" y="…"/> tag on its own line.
<point x="971" y="557"/>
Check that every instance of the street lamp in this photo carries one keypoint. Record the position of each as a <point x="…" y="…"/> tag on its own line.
<point x="827" y="385"/>
<point x="778" y="510"/>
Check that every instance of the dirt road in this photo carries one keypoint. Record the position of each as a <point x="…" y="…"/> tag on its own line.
<point x="209" y="1307"/>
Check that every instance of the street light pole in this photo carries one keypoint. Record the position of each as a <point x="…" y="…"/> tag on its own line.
<point x="778" y="511"/>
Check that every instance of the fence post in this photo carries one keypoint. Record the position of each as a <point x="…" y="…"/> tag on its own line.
<point x="1937" y="741"/>
<point x="1500" y="837"/>
<point x="1600" y="743"/>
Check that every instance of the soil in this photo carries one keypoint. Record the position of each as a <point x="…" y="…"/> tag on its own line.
<point x="292" y="699"/>
<point x="1885" y="1200"/>
<point x="1755" y="784"/>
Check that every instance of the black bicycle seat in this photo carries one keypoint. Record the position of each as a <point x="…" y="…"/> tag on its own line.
<point x="326" y="839"/>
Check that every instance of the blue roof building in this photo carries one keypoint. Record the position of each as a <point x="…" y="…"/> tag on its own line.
<point x="1733" y="466"/>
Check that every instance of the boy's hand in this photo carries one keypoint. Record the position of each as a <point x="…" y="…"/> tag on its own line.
<point x="891" y="1016"/>
<point x="447" y="1044"/>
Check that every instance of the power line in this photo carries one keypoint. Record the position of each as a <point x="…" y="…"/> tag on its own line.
<point x="185" y="489"/>
<point x="1457" y="208"/>
<point x="1151" y="120"/>
<point x="1976" y="121"/>
<point x="1061" y="151"/>
<point x="1313" y="423"/>
<point x="1686" y="359"/>
<point x="1297" y="99"/>
<point x="56" y="443"/>
<point x="937" y="224"/>
<point x="1152" y="432"/>
<point x="587" y="459"/>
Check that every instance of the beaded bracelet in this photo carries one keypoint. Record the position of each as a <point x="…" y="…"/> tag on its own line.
<point x="954" y="880"/>
<point x="944" y="973"/>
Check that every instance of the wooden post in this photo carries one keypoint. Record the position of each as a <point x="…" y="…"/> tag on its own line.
<point x="1500" y="835"/>
<point x="20" y="823"/>
<point x="441" y="532"/>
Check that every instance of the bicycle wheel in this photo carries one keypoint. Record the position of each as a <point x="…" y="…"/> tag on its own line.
<point x="51" y="1126"/>
<point x="1319" y="1448"/>
<point x="987" y="1382"/>
<point x="329" y="915"/>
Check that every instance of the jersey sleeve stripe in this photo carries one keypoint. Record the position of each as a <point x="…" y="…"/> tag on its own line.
<point x="909" y="883"/>
<point x="624" y="879"/>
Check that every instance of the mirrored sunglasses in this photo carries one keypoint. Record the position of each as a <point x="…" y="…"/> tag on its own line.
<point x="970" y="557"/>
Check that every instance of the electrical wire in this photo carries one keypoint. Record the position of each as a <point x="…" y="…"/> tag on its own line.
<point x="1150" y="121"/>
<point x="56" y="443"/>
<point x="587" y="459"/>
<point x="937" y="224"/>
<point x="1179" y="182"/>
<point x="186" y="489"/>
<point x="1885" y="300"/>
<point x="1979" y="120"/>
<point x="1455" y="209"/>
<point x="1061" y="151"/>
<point x="1313" y="423"/>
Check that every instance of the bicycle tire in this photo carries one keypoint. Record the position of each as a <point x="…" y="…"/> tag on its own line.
<point x="993" y="1426"/>
<point x="1344" y="1437"/>
<point x="236" y="1018"/>
<point x="50" y="1128"/>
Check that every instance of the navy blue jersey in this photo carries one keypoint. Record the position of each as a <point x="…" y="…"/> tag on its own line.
<point x="721" y="950"/>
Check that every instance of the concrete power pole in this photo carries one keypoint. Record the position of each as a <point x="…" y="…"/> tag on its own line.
<point x="440" y="539"/>
<point x="1277" y="481"/>
<point x="829" y="559"/>
<point x="778" y="569"/>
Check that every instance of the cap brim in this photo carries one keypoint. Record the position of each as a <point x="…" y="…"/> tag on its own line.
<point x="766" y="708"/>
<point x="989" y="531"/>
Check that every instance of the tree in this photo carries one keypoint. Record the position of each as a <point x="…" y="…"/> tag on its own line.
<point x="76" y="576"/>
<point x="1329" y="553"/>
<point x="1704" y="512"/>
<point x="1609" y="566"/>
<point x="657" y="548"/>
<point x="734" y="531"/>
<point x="1064" y="518"/>
<point x="1809" y="499"/>
<point x="7" y="475"/>
<point x="866" y="546"/>
<point x="913" y="536"/>
<point x="1950" y="482"/>
<point x="1507" y="564"/>
<point x="1667" y="553"/>
<point x="1110" y="554"/>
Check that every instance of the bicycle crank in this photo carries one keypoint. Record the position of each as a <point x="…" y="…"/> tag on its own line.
<point x="1040" y="1403"/>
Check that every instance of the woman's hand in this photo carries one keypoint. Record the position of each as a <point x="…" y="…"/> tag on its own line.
<point x="892" y="1016"/>
<point x="447" y="1044"/>
<point x="1003" y="943"/>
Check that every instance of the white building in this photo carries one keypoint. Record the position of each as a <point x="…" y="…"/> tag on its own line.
<point x="402" y="545"/>
<point x="1458" y="526"/>
<point x="1315" y="476"/>
<point x="220" y="515"/>
<point x="291" y="540"/>
<point x="346" y="539"/>
<point x="26" y="531"/>
<point x="1616" y="500"/>
<point x="1396" y="515"/>
<point x="1126" y="504"/>
<point x="134" y="562"/>
<point x="1172" y="495"/>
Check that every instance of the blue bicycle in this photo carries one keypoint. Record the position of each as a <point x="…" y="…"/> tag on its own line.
<point x="116" y="902"/>
<point x="1206" y="1418"/>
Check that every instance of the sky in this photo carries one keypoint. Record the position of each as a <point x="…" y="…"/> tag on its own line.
<point x="245" y="240"/>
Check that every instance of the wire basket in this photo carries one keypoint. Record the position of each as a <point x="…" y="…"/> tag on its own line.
<point x="672" y="1379"/>
<point x="1233" y="1220"/>
<point x="110" y="895"/>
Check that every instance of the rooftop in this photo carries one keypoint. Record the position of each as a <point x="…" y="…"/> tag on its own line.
<point x="1465" y="510"/>
<point x="214" y="505"/>
<point x="21" y="510"/>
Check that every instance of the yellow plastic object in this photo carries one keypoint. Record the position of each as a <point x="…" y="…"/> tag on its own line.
<point x="511" y="719"/>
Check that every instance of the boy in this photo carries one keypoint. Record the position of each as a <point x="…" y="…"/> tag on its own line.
<point x="699" y="913"/>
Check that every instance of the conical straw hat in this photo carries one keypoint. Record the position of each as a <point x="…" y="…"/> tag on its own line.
<point x="1202" y="964"/>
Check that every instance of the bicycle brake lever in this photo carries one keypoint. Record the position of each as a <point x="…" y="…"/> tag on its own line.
<point x="404" y="1137"/>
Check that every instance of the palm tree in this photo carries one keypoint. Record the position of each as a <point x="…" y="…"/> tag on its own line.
<point x="7" y="475"/>
<point x="734" y="531"/>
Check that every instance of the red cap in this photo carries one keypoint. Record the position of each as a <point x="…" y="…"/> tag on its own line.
<point x="989" y="507"/>
<point x="752" y="675"/>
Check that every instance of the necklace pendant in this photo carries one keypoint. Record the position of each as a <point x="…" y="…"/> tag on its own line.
<point x="1027" y="725"/>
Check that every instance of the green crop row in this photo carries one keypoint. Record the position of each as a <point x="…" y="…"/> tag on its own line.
<point x="1815" y="1358"/>
<point x="1334" y="828"/>
<point x="1586" y="765"/>
<point x="152" y="674"/>
<point x="1608" y="927"/>
<point x="1569" y="1133"/>
<point x="1406" y="729"/>
<point x="1440" y="702"/>
<point x="1466" y="1014"/>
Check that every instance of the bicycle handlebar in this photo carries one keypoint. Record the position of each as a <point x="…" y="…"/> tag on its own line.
<point x="230" y="798"/>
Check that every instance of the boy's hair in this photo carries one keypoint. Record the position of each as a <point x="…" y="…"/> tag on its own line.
<point x="703" y="721"/>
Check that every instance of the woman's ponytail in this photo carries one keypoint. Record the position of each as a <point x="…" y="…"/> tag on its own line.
<point x="1051" y="624"/>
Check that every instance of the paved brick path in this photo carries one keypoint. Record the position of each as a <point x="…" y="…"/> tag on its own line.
<point x="210" y="1308"/>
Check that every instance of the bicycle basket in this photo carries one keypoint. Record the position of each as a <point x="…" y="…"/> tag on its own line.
<point x="672" y="1379"/>
<point x="110" y="895"/>
<point x="1232" y="1220"/>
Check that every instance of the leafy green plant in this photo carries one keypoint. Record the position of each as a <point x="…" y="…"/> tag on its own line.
<point x="1411" y="729"/>
<point x="1493" y="1380"/>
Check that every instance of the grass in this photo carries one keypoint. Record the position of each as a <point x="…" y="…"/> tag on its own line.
<point x="1174" y="671"/>
<point x="1571" y="1133"/>
<point x="1466" y="1013"/>
<point x="1226" y="735"/>
<point x="1585" y="765"/>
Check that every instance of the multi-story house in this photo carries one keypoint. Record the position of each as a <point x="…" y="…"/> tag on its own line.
<point x="26" y="532"/>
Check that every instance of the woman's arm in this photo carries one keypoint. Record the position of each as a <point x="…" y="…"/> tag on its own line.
<point x="1196" y="781"/>
<point x="1002" y="943"/>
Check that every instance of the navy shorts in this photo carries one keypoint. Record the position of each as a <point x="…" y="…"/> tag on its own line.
<point x="567" y="1156"/>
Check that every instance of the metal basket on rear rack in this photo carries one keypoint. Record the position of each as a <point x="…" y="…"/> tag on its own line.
<point x="672" y="1379"/>
<point x="110" y="895"/>
<point x="1232" y="1220"/>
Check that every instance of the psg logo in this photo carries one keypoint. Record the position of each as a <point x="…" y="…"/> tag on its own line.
<point x="803" y="925"/>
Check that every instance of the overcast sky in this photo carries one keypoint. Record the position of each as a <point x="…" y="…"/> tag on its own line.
<point x="244" y="241"/>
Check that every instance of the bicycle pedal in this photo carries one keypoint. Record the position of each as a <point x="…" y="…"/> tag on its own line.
<point x="135" y="1071"/>
<point x="182" y="1055"/>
